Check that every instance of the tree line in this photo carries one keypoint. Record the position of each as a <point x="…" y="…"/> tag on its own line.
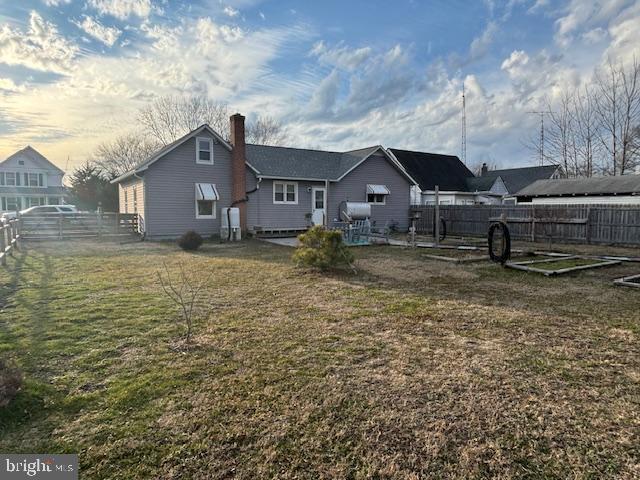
<point x="595" y="129"/>
<point x="159" y="123"/>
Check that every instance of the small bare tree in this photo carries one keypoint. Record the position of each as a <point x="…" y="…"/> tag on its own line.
<point x="184" y="291"/>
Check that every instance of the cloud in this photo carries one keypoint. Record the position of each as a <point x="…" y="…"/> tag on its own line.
<point x="579" y="15"/>
<point x="8" y="85"/>
<point x="122" y="9"/>
<point x="40" y="47"/>
<point x="102" y="33"/>
<point x="56" y="3"/>
<point x="594" y="36"/>
<point x="480" y="45"/>
<point x="231" y="12"/>
<point x="341" y="56"/>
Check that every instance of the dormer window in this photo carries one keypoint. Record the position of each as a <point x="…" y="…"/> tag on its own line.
<point x="204" y="150"/>
<point x="20" y="162"/>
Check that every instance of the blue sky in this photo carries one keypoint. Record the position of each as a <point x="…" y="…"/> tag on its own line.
<point x="338" y="74"/>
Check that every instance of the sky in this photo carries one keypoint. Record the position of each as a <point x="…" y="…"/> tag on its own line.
<point x="338" y="74"/>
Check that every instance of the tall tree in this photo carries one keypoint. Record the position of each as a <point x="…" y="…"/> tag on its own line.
<point x="123" y="153"/>
<point x="90" y="188"/>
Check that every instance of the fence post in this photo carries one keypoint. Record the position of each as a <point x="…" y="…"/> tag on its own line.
<point x="10" y="237"/>
<point x="17" y="231"/>
<point x="533" y="224"/>
<point x="588" y="226"/>
<point x="60" y="226"/>
<point x="3" y="244"/>
<point x="99" y="222"/>
<point x="437" y="216"/>
<point x="117" y="225"/>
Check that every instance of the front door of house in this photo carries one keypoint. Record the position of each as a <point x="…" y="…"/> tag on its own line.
<point x="318" y="205"/>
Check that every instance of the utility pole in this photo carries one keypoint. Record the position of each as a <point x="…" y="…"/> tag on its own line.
<point x="541" y="146"/>
<point x="463" y="152"/>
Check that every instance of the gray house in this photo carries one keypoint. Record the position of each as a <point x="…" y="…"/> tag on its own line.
<point x="28" y="179"/>
<point x="277" y="189"/>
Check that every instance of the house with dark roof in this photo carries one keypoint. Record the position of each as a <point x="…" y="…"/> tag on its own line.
<point x="457" y="185"/>
<point x="28" y="179"/>
<point x="185" y="185"/>
<point x="624" y="189"/>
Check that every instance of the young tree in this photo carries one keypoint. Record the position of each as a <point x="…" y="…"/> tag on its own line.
<point x="89" y="188"/>
<point x="560" y="135"/>
<point x="586" y="131"/>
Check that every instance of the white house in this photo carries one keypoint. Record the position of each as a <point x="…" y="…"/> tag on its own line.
<point x="28" y="179"/>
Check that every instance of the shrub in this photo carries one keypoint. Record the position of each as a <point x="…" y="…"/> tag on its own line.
<point x="323" y="249"/>
<point x="10" y="382"/>
<point x="190" y="240"/>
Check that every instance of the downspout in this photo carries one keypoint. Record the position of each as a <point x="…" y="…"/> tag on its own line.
<point x="326" y="204"/>
<point x="238" y="202"/>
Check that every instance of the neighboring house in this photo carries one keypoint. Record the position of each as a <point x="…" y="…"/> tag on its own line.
<point x="623" y="189"/>
<point x="28" y="179"/>
<point x="507" y="182"/>
<point x="458" y="186"/>
<point x="453" y="179"/>
<point x="186" y="184"/>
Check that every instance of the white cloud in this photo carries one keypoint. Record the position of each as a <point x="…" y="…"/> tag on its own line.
<point x="480" y="45"/>
<point x="9" y="85"/>
<point x="56" y="3"/>
<point x="122" y="9"/>
<point x="40" y="47"/>
<point x="595" y="35"/>
<point x="341" y="56"/>
<point x="231" y="12"/>
<point x="102" y="33"/>
<point x="579" y="15"/>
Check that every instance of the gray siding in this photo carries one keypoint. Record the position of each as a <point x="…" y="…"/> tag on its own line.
<point x="376" y="170"/>
<point x="264" y="213"/>
<point x="170" y="190"/>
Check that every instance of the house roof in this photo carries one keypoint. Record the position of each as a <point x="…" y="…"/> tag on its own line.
<point x="34" y="155"/>
<point x="284" y="162"/>
<point x="167" y="148"/>
<point x="516" y="179"/>
<point x="619" y="185"/>
<point x="480" y="184"/>
<point x="431" y="169"/>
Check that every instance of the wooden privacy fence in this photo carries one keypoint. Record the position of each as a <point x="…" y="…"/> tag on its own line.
<point x="58" y="226"/>
<point x="9" y="239"/>
<point x="596" y="224"/>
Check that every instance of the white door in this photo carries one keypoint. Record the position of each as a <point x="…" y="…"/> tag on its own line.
<point x="318" y="205"/>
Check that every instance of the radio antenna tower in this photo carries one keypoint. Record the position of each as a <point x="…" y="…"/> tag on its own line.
<point x="463" y="152"/>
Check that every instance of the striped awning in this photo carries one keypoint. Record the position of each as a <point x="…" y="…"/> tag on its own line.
<point x="378" y="189"/>
<point x="206" y="191"/>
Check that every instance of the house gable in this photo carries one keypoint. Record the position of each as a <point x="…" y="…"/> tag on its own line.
<point x="29" y="158"/>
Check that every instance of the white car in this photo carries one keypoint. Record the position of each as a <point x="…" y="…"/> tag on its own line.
<point x="63" y="209"/>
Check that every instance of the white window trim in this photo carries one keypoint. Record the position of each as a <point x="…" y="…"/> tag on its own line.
<point x="284" y="190"/>
<point x="204" y="139"/>
<point x="213" y="209"/>
<point x="384" y="202"/>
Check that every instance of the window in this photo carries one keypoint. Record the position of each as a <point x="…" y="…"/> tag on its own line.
<point x="284" y="192"/>
<point x="126" y="201"/>
<point x="66" y="209"/>
<point x="204" y="150"/>
<point x="41" y="179"/>
<point x="2" y="179"/>
<point x="35" y="201"/>
<point x="206" y="197"/>
<point x="10" y="179"/>
<point x="33" y="180"/>
<point x="135" y="200"/>
<point x="53" y="201"/>
<point x="20" y="162"/>
<point x="13" y="204"/>
<point x="377" y="194"/>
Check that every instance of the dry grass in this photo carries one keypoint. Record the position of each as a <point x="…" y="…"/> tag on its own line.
<point x="412" y="369"/>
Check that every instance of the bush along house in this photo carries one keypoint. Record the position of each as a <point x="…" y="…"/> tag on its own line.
<point x="278" y="190"/>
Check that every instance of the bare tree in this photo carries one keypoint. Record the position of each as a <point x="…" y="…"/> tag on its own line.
<point x="123" y="153"/>
<point x="560" y="140"/>
<point x="618" y="109"/>
<point x="586" y="131"/>
<point x="476" y="167"/>
<point x="168" y="118"/>
<point x="184" y="291"/>
<point x="266" y="131"/>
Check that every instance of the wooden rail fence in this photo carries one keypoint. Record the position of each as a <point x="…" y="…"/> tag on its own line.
<point x="591" y="224"/>
<point x="9" y="239"/>
<point x="59" y="226"/>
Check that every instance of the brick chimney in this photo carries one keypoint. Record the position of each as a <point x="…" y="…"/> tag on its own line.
<point x="484" y="170"/>
<point x="238" y="172"/>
